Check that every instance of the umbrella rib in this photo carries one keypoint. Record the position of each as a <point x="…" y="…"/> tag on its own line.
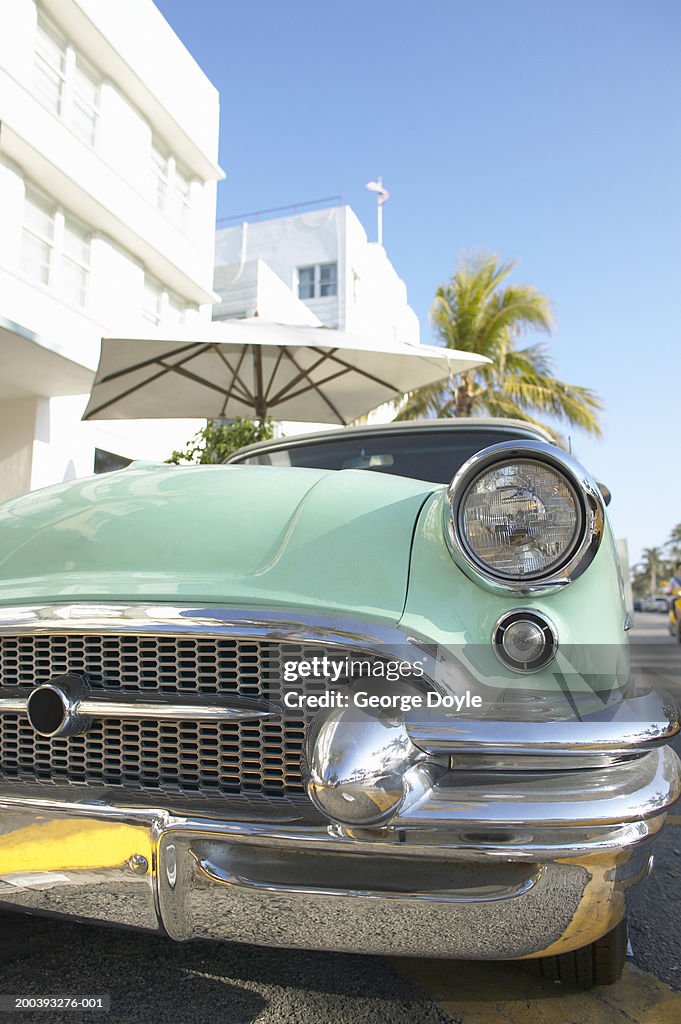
<point x="363" y="373"/>
<point x="302" y="374"/>
<point x="176" y="368"/>
<point x="125" y="394"/>
<point x="325" y="380"/>
<point x="237" y="387"/>
<point x="274" y="373"/>
<point x="158" y="360"/>
<point x="242" y="395"/>
<point x="305" y="373"/>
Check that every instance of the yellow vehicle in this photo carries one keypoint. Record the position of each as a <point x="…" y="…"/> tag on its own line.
<point x="675" y="615"/>
<point x="675" y="604"/>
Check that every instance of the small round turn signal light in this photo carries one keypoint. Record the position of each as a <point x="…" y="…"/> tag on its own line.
<point x="525" y="640"/>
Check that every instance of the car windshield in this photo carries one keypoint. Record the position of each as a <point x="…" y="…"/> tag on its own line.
<point x="432" y="455"/>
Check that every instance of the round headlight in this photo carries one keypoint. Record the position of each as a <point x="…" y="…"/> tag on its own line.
<point x="524" y="516"/>
<point x="520" y="519"/>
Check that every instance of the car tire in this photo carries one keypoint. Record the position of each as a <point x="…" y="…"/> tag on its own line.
<point x="600" y="963"/>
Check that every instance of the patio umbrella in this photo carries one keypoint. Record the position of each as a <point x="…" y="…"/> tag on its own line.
<point x="254" y="368"/>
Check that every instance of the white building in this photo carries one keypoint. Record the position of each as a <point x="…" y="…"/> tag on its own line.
<point x="312" y="267"/>
<point x="108" y="172"/>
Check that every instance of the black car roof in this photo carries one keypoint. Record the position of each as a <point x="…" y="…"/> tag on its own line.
<point x="403" y="426"/>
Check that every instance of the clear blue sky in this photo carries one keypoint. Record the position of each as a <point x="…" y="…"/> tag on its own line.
<point x="546" y="132"/>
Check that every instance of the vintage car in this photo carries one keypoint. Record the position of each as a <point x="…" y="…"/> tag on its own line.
<point x="363" y="690"/>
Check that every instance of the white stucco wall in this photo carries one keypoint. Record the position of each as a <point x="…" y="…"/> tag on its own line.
<point x="136" y="33"/>
<point x="17" y="430"/>
<point x="371" y="298"/>
<point x="377" y="302"/>
<point x="16" y="38"/>
<point x="125" y="135"/>
<point x="285" y="244"/>
<point x="150" y="88"/>
<point x="11" y="210"/>
<point x="253" y="289"/>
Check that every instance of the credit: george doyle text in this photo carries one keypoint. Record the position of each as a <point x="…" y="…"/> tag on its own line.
<point x="386" y="701"/>
<point x="354" y="672"/>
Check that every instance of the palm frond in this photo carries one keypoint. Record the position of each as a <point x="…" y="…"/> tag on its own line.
<point x="575" y="405"/>
<point x="424" y="403"/>
<point x="500" y="405"/>
<point x="534" y="359"/>
<point x="515" y="310"/>
<point x="476" y="312"/>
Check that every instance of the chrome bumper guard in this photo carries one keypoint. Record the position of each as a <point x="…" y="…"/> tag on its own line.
<point x="507" y="866"/>
<point x="633" y="725"/>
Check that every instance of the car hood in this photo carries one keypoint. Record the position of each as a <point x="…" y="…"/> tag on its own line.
<point x="238" y="535"/>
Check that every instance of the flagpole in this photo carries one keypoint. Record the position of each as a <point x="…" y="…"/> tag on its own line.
<point x="379" y="207"/>
<point x="382" y="195"/>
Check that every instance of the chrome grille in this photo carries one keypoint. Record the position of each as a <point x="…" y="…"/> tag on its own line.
<point x="250" y="757"/>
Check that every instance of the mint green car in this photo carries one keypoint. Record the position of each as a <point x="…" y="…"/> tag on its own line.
<point x="364" y="690"/>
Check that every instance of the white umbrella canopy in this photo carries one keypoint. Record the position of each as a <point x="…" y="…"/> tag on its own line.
<point x="255" y="368"/>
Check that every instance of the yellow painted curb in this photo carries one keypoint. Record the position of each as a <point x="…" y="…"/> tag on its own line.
<point x="501" y="993"/>
<point x="71" y="844"/>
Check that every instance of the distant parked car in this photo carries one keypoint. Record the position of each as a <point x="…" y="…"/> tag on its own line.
<point x="362" y="690"/>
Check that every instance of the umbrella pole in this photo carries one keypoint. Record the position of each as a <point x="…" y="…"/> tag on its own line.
<point x="260" y="400"/>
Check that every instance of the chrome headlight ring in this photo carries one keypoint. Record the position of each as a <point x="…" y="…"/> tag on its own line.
<point x="547" y="635"/>
<point x="580" y="552"/>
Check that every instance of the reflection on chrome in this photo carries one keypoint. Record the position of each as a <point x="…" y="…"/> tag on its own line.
<point x="66" y="704"/>
<point x="520" y="728"/>
<point x="430" y="835"/>
<point x="360" y="765"/>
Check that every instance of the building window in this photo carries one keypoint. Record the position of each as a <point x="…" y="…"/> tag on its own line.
<point x="55" y="248"/>
<point x="85" y="102"/>
<point x="170" y="185"/>
<point x="328" y="279"/>
<point x="75" y="264"/>
<point x="49" y="71"/>
<point x="306" y="283"/>
<point x="152" y="307"/>
<point x="160" y="305"/>
<point x="159" y="177"/>
<point x="65" y="82"/>
<point x="318" y="282"/>
<point x="37" y="250"/>
<point x="182" y="192"/>
<point x="174" y="310"/>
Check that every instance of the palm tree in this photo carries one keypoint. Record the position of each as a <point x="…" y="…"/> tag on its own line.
<point x="652" y="566"/>
<point x="477" y="313"/>
<point x="674" y="543"/>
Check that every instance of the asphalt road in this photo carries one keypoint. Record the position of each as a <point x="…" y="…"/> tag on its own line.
<point x="653" y="925"/>
<point x="151" y="979"/>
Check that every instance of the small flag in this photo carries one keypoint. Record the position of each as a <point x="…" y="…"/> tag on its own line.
<point x="383" y="194"/>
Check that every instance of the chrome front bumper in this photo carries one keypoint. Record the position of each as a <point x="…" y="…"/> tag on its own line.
<point x="512" y="868"/>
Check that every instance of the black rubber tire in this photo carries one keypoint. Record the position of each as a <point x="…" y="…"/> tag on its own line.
<point x="600" y="963"/>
